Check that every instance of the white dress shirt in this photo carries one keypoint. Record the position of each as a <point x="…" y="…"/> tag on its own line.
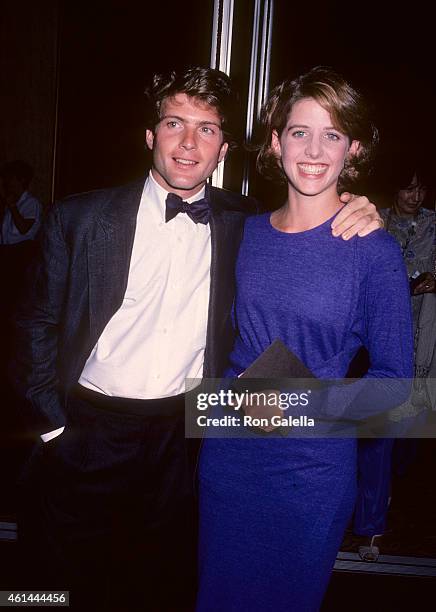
<point x="157" y="337"/>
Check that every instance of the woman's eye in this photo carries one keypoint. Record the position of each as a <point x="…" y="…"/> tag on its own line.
<point x="172" y="124"/>
<point x="299" y="133"/>
<point x="332" y="136"/>
<point x="207" y="130"/>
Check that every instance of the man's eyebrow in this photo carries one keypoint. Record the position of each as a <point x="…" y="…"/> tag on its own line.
<point x="210" y="123"/>
<point x="171" y="117"/>
<point x="184" y="120"/>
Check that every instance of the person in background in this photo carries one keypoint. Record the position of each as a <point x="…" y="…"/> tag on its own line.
<point x="20" y="222"/>
<point x="20" y="217"/>
<point x="21" y="210"/>
<point x="414" y="227"/>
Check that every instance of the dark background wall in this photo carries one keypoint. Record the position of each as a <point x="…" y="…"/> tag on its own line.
<point x="386" y="49"/>
<point x="28" y="59"/>
<point x="108" y="50"/>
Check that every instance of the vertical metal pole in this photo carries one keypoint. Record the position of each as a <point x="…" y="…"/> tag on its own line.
<point x="260" y="61"/>
<point x="251" y="91"/>
<point x="220" y="56"/>
<point x="265" y="58"/>
<point x="259" y="73"/>
<point x="59" y="25"/>
<point x="214" y="59"/>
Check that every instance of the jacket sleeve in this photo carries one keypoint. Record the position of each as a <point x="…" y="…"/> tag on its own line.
<point x="34" y="370"/>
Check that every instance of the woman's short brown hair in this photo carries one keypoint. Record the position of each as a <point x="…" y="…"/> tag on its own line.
<point x="347" y="110"/>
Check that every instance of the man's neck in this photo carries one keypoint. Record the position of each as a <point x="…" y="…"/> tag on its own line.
<point x="185" y="194"/>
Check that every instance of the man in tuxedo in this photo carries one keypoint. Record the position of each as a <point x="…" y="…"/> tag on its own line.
<point x="132" y="296"/>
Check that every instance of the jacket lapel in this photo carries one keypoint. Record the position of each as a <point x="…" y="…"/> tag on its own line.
<point x="109" y="253"/>
<point x="226" y="231"/>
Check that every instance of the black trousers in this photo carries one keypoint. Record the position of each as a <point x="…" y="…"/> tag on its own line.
<point x="108" y="507"/>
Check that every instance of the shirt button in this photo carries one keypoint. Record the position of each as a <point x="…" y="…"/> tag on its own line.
<point x="165" y="330"/>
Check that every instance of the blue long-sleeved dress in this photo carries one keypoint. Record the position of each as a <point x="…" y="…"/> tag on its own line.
<point x="273" y="511"/>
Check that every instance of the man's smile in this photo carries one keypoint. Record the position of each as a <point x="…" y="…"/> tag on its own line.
<point x="185" y="162"/>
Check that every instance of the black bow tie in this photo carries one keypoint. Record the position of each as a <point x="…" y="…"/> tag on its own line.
<point x="198" y="211"/>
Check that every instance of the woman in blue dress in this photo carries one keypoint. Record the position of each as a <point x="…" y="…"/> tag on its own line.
<point x="273" y="509"/>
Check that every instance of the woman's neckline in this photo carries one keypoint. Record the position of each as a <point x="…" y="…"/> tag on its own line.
<point x="315" y="229"/>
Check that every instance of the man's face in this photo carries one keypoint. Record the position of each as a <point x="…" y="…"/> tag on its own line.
<point x="187" y="144"/>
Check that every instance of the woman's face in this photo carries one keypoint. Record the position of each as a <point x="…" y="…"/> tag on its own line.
<point x="410" y="200"/>
<point x="312" y="151"/>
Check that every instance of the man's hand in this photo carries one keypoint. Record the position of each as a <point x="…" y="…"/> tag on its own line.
<point x="359" y="216"/>
<point x="424" y="283"/>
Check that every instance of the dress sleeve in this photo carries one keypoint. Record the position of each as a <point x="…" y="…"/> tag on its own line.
<point x="388" y="337"/>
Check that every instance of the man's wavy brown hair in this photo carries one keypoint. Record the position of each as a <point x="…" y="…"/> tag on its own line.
<point x="208" y="85"/>
<point x="347" y="109"/>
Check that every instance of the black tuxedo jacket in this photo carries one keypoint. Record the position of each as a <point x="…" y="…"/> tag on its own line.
<point x="80" y="281"/>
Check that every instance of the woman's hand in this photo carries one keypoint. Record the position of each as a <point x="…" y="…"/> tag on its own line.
<point x="424" y="283"/>
<point x="359" y="216"/>
<point x="258" y="408"/>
